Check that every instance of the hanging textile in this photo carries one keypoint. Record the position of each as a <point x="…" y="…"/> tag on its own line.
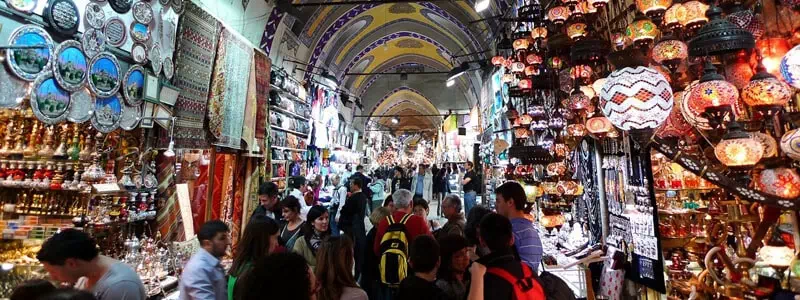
<point x="169" y="214"/>
<point x="249" y="125"/>
<point x="197" y="46"/>
<point x="263" y="66"/>
<point x="229" y="88"/>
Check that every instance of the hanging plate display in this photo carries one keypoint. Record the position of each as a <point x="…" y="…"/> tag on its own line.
<point x="142" y="12"/>
<point x="177" y="6"/>
<point x="133" y="85"/>
<point x="140" y="32"/>
<point x="62" y="16"/>
<point x="155" y="58"/>
<point x="14" y="90"/>
<point x="23" y="6"/>
<point x="29" y="63"/>
<point x="107" y="113"/>
<point x="49" y="102"/>
<point x="168" y="67"/>
<point x="104" y="77"/>
<point x="95" y="16"/>
<point x="130" y="117"/>
<point x="139" y="53"/>
<point x="81" y="106"/>
<point x="93" y="42"/>
<point x="120" y="6"/>
<point x="115" y="31"/>
<point x="69" y="66"/>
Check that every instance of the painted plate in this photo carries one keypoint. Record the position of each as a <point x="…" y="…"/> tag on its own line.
<point x="107" y="113"/>
<point x="82" y="106"/>
<point x="142" y="12"/>
<point x="177" y="6"/>
<point x="139" y="53"/>
<point x="155" y="58"/>
<point x="62" y="16"/>
<point x="93" y="42"/>
<point x="168" y="67"/>
<point x="130" y="117"/>
<point x="70" y="65"/>
<point x="133" y="86"/>
<point x="14" y="90"/>
<point x="95" y="16"/>
<point x="23" y="6"/>
<point x="49" y="102"/>
<point x="140" y="32"/>
<point x="116" y="32"/>
<point x="120" y="6"/>
<point x="29" y="63"/>
<point x="104" y="75"/>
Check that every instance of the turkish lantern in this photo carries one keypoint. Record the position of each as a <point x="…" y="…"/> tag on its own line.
<point x="636" y="98"/>
<point x="539" y="33"/>
<point x="695" y="15"/>
<point x="498" y="60"/>
<point x="558" y="14"/>
<point x="599" y="125"/>
<point x="533" y="59"/>
<point x="642" y="30"/>
<point x="670" y="53"/>
<point x="764" y="90"/>
<point x="781" y="182"/>
<point x="576" y="31"/>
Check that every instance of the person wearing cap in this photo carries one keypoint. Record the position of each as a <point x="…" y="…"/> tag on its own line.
<point x="267" y="202"/>
<point x="298" y="190"/>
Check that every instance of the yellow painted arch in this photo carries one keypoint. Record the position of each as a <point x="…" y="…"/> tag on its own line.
<point x="405" y="97"/>
<point x="381" y="55"/>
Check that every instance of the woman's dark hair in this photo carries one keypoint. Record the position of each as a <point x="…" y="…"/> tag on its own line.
<point x="473" y="221"/>
<point x="334" y="265"/>
<point x="512" y="190"/>
<point x="297" y="181"/>
<point x="32" y="290"/>
<point x="68" y="294"/>
<point x="314" y="213"/>
<point x="291" y="203"/>
<point x="424" y="253"/>
<point x="280" y="275"/>
<point x="449" y="245"/>
<point x="421" y="202"/>
<point x="388" y="201"/>
<point x="255" y="242"/>
<point x="496" y="232"/>
<point x="69" y="243"/>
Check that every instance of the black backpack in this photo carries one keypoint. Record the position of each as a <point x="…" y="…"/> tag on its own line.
<point x="554" y="287"/>
<point x="393" y="263"/>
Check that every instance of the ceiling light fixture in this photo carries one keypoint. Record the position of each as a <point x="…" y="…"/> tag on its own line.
<point x="450" y="83"/>
<point x="457" y="71"/>
<point x="395" y="120"/>
<point x="482" y="5"/>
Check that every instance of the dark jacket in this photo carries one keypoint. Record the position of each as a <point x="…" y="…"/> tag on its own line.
<point x="365" y="181"/>
<point x="354" y="209"/>
<point x="262" y="211"/>
<point x="415" y="288"/>
<point x="454" y="226"/>
<point x="370" y="275"/>
<point x="495" y="287"/>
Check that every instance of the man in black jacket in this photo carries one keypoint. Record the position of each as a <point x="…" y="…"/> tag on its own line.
<point x="352" y="221"/>
<point x="496" y="235"/>
<point x="267" y="202"/>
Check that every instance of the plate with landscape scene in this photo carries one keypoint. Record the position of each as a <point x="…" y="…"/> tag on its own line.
<point x="104" y="77"/>
<point x="49" y="102"/>
<point x="133" y="85"/>
<point x="27" y="64"/>
<point x="107" y="113"/>
<point x="70" y="65"/>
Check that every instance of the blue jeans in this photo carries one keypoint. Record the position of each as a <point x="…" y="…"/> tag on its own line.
<point x="469" y="201"/>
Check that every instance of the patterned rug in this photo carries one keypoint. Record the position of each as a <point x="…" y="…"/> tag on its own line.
<point x="249" y="126"/>
<point x="169" y="212"/>
<point x="197" y="45"/>
<point x="263" y="66"/>
<point x="229" y="86"/>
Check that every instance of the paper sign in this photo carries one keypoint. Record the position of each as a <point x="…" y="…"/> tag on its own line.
<point x="186" y="210"/>
<point x="106" y="187"/>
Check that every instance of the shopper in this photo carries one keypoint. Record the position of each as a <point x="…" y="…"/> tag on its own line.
<point x="439" y="187"/>
<point x="415" y="225"/>
<point x="259" y="240"/>
<point x="453" y="279"/>
<point x="72" y="254"/>
<point x="348" y="171"/>
<point x="422" y="183"/>
<point x="504" y="271"/>
<point x="268" y="201"/>
<point x="279" y="276"/>
<point x="422" y="210"/>
<point x="424" y="260"/>
<point x="337" y="202"/>
<point x="32" y="290"/>
<point x="471" y="230"/>
<point x="70" y="294"/>
<point x="470" y="183"/>
<point x="398" y="180"/>
<point x="290" y="230"/>
<point x="370" y="274"/>
<point x="378" y="195"/>
<point x="334" y="272"/>
<point x="389" y="203"/>
<point x="512" y="203"/>
<point x="318" y="185"/>
<point x="365" y="181"/>
<point x="298" y="188"/>
<point x="315" y="230"/>
<point x="451" y="208"/>
<point x="203" y="277"/>
<point x="352" y="220"/>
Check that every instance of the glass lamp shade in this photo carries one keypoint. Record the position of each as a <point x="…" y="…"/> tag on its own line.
<point x="555" y="62"/>
<point x="557" y="122"/>
<point x="713" y="93"/>
<point x="586" y="8"/>
<point x="739" y="73"/>
<point x="766" y="92"/>
<point x="558" y="14"/>
<point x="525" y="84"/>
<point x="691" y="114"/>
<point x="781" y="182"/>
<point x="748" y="20"/>
<point x="675" y="125"/>
<point x="539" y="32"/>
<point x="642" y="30"/>
<point x="770" y="145"/>
<point x="790" y="144"/>
<point x="507" y="63"/>
<point x="650" y="7"/>
<point x="553" y="221"/>
<point x="739" y="152"/>
<point x="508" y="78"/>
<point x="576" y="130"/>
<point x="498" y="60"/>
<point x="776" y="256"/>
<point x="576" y="30"/>
<point x="521" y="44"/>
<point x="620" y="41"/>
<point x="772" y="50"/>
<point x="533" y="59"/>
<point x="674" y="16"/>
<point x="588" y="91"/>
<point x="599" y="125"/>
<point x="580" y="71"/>
<point x="790" y="67"/>
<point x="531" y="71"/>
<point x="578" y="101"/>
<point x="636" y="98"/>
<point x="598" y="84"/>
<point x="670" y="52"/>
<point x="695" y="14"/>
<point x="597" y="3"/>
<point x="517" y="67"/>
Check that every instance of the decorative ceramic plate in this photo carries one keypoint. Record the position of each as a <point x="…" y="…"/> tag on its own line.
<point x="62" y="16"/>
<point x="69" y="66"/>
<point x="140" y="32"/>
<point x="93" y="42"/>
<point x="81" y="107"/>
<point x="29" y="63"/>
<point x="14" y="90"/>
<point x="130" y="117"/>
<point x="104" y="77"/>
<point x="139" y="53"/>
<point x="142" y="12"/>
<point x="95" y="16"/>
<point x="116" y="32"/>
<point x="168" y="67"/>
<point x="120" y="6"/>
<point x="107" y="113"/>
<point x="155" y="58"/>
<point x="133" y="85"/>
<point x="49" y="102"/>
<point x="177" y="6"/>
<point x="23" y="6"/>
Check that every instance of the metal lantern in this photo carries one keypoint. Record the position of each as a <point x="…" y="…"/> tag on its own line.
<point x="576" y="31"/>
<point x="790" y="67"/>
<point x="719" y="36"/>
<point x="653" y="8"/>
<point x="558" y="15"/>
<point x="670" y="53"/>
<point x="747" y="20"/>
<point x="738" y="148"/>
<point x="642" y="30"/>
<point x="539" y="33"/>
<point x="764" y="90"/>
<point x="781" y="182"/>
<point x="636" y="98"/>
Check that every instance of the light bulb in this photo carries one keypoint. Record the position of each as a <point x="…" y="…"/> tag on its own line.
<point x="481" y="5"/>
<point x="170" y="149"/>
<point x="451" y="83"/>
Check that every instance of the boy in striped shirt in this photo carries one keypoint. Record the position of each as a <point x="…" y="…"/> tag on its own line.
<point x="512" y="203"/>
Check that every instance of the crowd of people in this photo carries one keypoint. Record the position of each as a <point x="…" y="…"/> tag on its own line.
<point x="296" y="248"/>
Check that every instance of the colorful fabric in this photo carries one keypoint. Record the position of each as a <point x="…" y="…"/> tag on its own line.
<point x="169" y="214"/>
<point x="249" y="125"/>
<point x="263" y="67"/>
<point x="197" y="46"/>
<point x="229" y="88"/>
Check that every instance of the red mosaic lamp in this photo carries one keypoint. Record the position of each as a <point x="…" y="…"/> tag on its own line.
<point x="714" y="96"/>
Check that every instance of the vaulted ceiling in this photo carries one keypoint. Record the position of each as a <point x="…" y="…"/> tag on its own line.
<point x="375" y="37"/>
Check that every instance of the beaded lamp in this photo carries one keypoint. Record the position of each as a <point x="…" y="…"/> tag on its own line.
<point x="642" y="30"/>
<point x="781" y="182"/>
<point x="578" y="100"/>
<point x="670" y="52"/>
<point x="558" y="15"/>
<point x="738" y="148"/>
<point x="576" y="31"/>
<point x="580" y="71"/>
<point x="636" y="98"/>
<point x="714" y="96"/>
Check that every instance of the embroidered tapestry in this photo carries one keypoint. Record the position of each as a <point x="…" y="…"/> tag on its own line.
<point x="228" y="94"/>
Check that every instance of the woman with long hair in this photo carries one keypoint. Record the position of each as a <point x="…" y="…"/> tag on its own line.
<point x="279" y="276"/>
<point x="259" y="240"/>
<point x="452" y="277"/>
<point x="334" y="271"/>
<point x="290" y="231"/>
<point x="315" y="230"/>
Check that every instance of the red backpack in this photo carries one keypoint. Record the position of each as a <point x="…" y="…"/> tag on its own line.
<point x="525" y="288"/>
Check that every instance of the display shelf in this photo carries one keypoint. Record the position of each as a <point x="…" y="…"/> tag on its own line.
<point x="291" y="96"/>
<point x="42" y="190"/>
<point x="290" y="149"/>
<point x="283" y="111"/>
<point x="289" y="131"/>
<point x="277" y="178"/>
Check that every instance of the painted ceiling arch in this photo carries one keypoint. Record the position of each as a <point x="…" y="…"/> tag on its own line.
<point x="391" y="66"/>
<point x="403" y="99"/>
<point x="400" y="43"/>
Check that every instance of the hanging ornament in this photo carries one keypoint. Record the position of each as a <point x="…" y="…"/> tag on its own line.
<point x="781" y="182"/>
<point x="718" y="36"/>
<point x="772" y="50"/>
<point x="539" y="33"/>
<point x="739" y="72"/>
<point x="675" y="125"/>
<point x="747" y="20"/>
<point x="576" y="31"/>
<point x="642" y="30"/>
<point x="670" y="52"/>
<point x="695" y="16"/>
<point x="558" y="15"/>
<point x="764" y="90"/>
<point x="653" y="8"/>
<point x="738" y="148"/>
<point x="790" y="144"/>
<point x="691" y="114"/>
<point x="714" y="96"/>
<point x="674" y="16"/>
<point x="636" y="98"/>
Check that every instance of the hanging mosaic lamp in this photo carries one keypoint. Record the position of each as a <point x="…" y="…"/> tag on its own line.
<point x="764" y="90"/>
<point x="508" y="78"/>
<point x="539" y="33"/>
<point x="772" y="51"/>
<point x="578" y="100"/>
<point x="498" y="60"/>
<point x="597" y="85"/>
<point x="790" y="144"/>
<point x="670" y="52"/>
<point x="558" y="15"/>
<point x="576" y="31"/>
<point x="620" y="41"/>
<point x="588" y="8"/>
<point x="524" y="84"/>
<point x="713" y="93"/>
<point x="588" y="91"/>
<point x="555" y="62"/>
<point x="695" y="15"/>
<point x="675" y="125"/>
<point x="790" y="67"/>
<point x="642" y="30"/>
<point x="533" y="59"/>
<point x="599" y="125"/>
<point x="747" y="20"/>
<point x="580" y="72"/>
<point x="521" y="44"/>
<point x="636" y="98"/>
<point x="738" y="148"/>
<point x="517" y="67"/>
<point x="653" y="8"/>
<point x="598" y="3"/>
<point x="740" y="71"/>
<point x="719" y="36"/>
<point x="674" y="16"/>
<point x="692" y="114"/>
<point x="531" y="71"/>
<point x="770" y="145"/>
